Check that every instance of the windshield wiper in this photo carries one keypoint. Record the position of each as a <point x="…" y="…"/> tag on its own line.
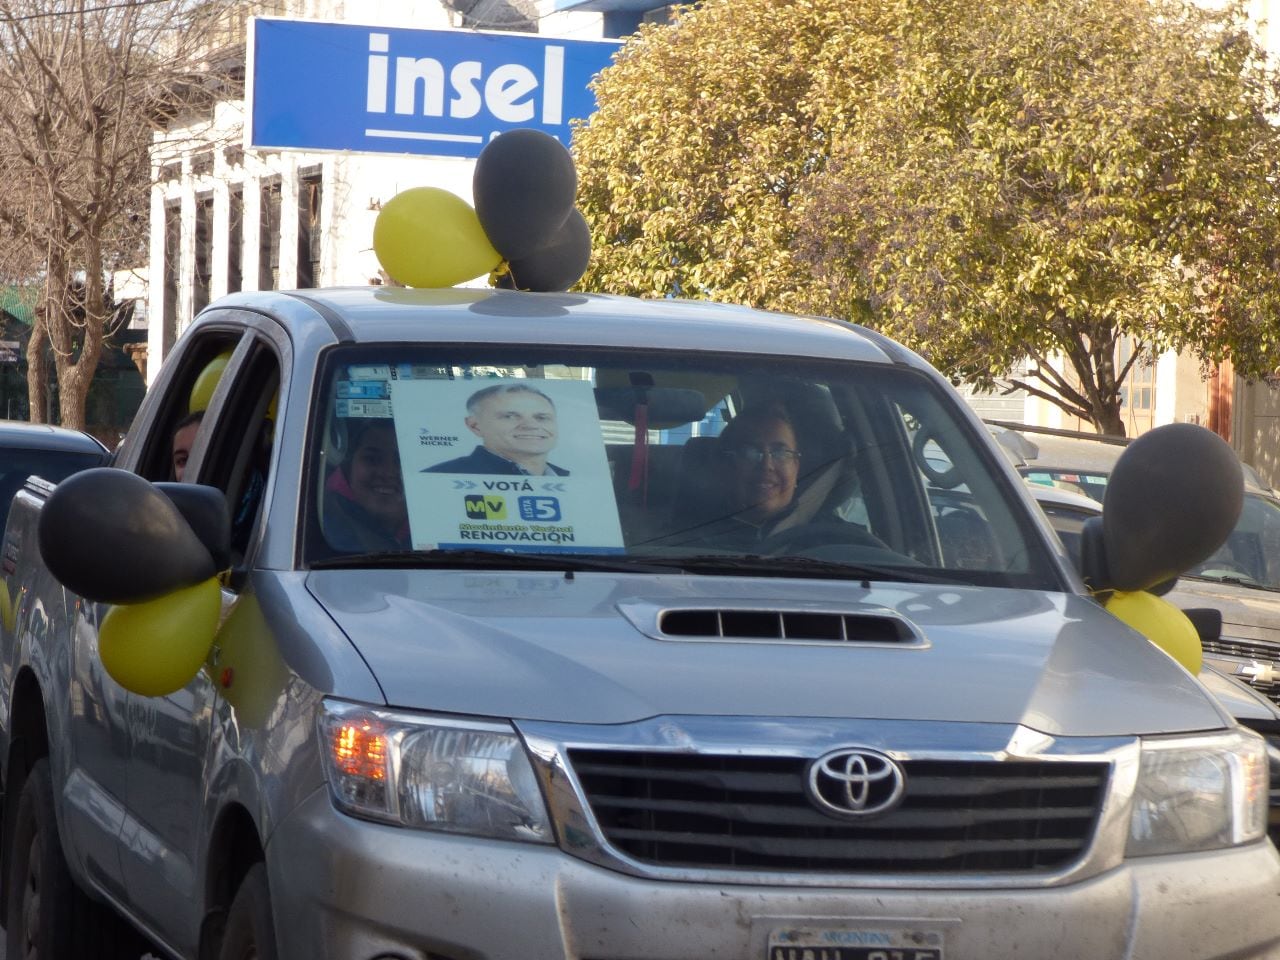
<point x="1233" y="579"/>
<point x="731" y="564"/>
<point x="493" y="560"/>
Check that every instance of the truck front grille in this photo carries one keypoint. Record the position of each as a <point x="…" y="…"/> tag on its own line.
<point x="1244" y="649"/>
<point x="752" y="813"/>
<point x="1268" y="686"/>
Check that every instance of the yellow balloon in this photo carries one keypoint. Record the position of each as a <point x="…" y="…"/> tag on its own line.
<point x="429" y="237"/>
<point x="6" y="607"/>
<point x="1160" y="622"/>
<point x="245" y="664"/>
<point x="207" y="382"/>
<point x="157" y="647"/>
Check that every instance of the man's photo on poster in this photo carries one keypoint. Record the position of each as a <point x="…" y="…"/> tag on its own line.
<point x="517" y="425"/>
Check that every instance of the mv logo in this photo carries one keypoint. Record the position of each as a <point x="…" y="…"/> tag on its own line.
<point x="486" y="507"/>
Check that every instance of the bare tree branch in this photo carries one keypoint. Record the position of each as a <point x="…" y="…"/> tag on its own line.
<point x="84" y="89"/>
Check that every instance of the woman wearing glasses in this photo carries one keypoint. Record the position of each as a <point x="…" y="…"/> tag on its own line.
<point x="760" y="450"/>
<point x="759" y="464"/>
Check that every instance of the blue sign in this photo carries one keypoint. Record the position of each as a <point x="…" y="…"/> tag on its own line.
<point x="340" y="86"/>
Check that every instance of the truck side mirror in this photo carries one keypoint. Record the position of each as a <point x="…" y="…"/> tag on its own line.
<point x="1207" y="621"/>
<point x="113" y="537"/>
<point x="205" y="509"/>
<point x="1173" y="498"/>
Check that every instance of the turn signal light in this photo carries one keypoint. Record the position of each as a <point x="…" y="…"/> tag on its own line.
<point x="360" y="750"/>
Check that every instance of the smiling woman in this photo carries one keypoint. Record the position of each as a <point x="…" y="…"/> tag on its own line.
<point x="759" y="465"/>
<point x="364" y="496"/>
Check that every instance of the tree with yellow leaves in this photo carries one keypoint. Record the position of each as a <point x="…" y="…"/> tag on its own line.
<point x="988" y="180"/>
<point x="707" y="131"/>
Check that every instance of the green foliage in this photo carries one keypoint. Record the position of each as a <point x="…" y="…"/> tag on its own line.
<point x="985" y="179"/>
<point x="1047" y="178"/>
<point x="707" y="130"/>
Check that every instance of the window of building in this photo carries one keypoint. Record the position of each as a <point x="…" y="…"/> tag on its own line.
<point x="269" y="236"/>
<point x="202" y="279"/>
<point x="235" y="239"/>
<point x="202" y="164"/>
<point x="663" y="14"/>
<point x="310" y="183"/>
<point x="1139" y="387"/>
<point x="519" y="15"/>
<point x="1138" y="392"/>
<point x="172" y="253"/>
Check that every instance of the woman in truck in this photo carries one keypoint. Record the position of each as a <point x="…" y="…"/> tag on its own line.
<point x="364" y="505"/>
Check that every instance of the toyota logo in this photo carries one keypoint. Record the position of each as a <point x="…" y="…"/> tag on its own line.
<point x="855" y="783"/>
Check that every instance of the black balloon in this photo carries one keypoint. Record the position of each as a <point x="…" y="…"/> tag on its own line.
<point x="556" y="266"/>
<point x="523" y="188"/>
<point x="1179" y="471"/>
<point x="112" y="537"/>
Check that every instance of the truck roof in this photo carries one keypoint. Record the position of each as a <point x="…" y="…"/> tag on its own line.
<point x="461" y="315"/>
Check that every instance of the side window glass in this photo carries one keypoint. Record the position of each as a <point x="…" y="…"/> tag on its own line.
<point x="179" y="409"/>
<point x="239" y="447"/>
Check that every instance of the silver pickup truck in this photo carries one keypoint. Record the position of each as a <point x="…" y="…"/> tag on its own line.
<point x="489" y="625"/>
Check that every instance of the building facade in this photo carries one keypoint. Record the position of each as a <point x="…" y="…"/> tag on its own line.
<point x="226" y="217"/>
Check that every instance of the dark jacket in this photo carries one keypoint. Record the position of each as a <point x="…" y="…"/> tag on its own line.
<point x="349" y="526"/>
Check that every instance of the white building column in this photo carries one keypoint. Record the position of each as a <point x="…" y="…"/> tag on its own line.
<point x="1166" y="388"/>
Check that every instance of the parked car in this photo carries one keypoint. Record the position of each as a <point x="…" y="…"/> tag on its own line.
<point x="45" y="451"/>
<point x="1241" y="580"/>
<point x="1066" y="460"/>
<point x="597" y="694"/>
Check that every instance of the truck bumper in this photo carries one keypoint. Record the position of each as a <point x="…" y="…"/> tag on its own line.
<point x="351" y="890"/>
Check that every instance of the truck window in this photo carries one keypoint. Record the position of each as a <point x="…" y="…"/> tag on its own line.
<point x="239" y="445"/>
<point x="155" y="458"/>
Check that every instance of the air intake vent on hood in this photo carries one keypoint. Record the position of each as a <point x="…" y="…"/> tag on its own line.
<point x="787" y="625"/>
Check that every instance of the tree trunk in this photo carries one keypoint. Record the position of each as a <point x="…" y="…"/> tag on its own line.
<point x="1108" y="420"/>
<point x="73" y="388"/>
<point x="48" y="320"/>
<point x="37" y="372"/>
<point x="76" y="368"/>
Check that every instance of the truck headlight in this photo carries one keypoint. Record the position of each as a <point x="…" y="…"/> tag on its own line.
<point x="432" y="773"/>
<point x="1199" y="793"/>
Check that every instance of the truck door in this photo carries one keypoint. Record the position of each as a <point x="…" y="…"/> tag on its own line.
<point x="162" y="844"/>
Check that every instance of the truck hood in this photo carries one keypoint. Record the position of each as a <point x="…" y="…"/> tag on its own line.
<point x="1250" y="613"/>
<point x="540" y="646"/>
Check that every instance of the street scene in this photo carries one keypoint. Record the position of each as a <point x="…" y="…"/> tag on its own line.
<point x="600" y="479"/>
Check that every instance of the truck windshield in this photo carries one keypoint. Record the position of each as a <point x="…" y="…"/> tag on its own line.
<point x="1251" y="555"/>
<point x="722" y="463"/>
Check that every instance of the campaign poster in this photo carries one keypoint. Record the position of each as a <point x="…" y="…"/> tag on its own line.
<point x="509" y="464"/>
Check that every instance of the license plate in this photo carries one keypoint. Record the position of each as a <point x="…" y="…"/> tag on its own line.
<point x="865" y="943"/>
